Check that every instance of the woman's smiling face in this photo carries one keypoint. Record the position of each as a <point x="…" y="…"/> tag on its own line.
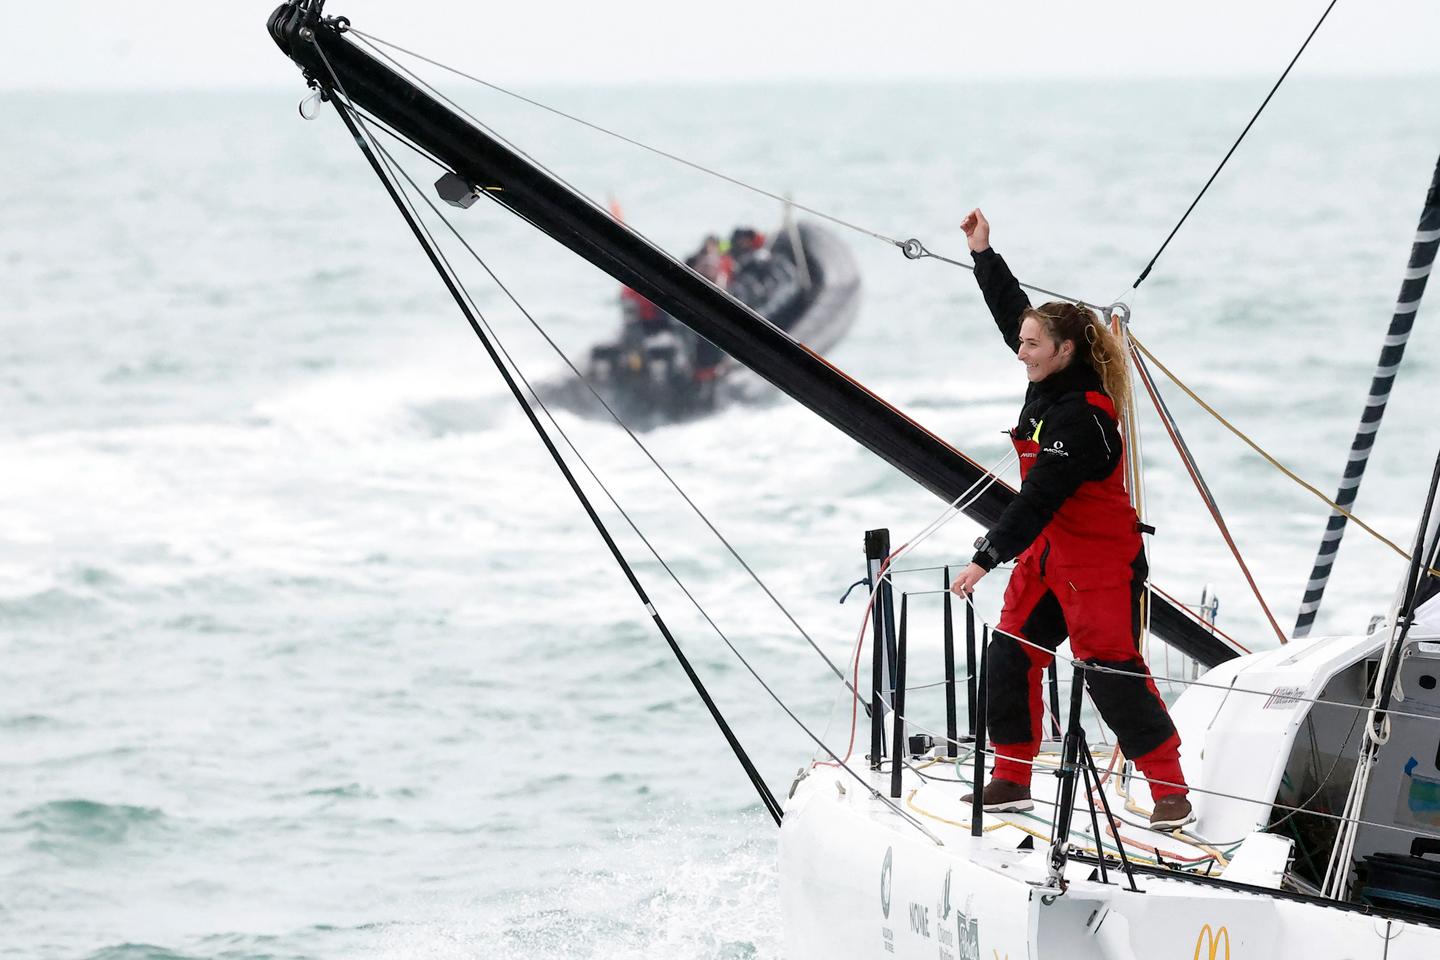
<point x="1041" y="355"/>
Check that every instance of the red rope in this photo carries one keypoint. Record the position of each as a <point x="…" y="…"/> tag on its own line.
<point x="1200" y="487"/>
<point x="859" y="648"/>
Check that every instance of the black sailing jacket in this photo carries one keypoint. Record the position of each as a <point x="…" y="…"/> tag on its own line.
<point x="1088" y="436"/>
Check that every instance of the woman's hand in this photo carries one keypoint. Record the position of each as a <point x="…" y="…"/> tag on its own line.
<point x="977" y="230"/>
<point x="964" y="584"/>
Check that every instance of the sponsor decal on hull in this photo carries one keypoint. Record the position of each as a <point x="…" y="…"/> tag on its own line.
<point x="1208" y="944"/>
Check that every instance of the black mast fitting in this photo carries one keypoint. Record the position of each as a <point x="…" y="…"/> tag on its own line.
<point x="457" y="191"/>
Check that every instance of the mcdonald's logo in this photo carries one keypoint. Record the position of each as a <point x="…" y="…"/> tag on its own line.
<point x="1207" y="945"/>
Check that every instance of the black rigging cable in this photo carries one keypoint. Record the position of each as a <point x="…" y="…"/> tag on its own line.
<point x="1146" y="272"/>
<point x="437" y="259"/>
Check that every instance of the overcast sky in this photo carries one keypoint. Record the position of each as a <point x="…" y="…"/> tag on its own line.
<point x="120" y="44"/>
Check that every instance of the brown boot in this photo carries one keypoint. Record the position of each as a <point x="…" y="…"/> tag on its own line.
<point x="1171" y="812"/>
<point x="1003" y="796"/>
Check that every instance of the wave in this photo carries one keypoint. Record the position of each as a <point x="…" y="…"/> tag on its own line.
<point x="87" y="821"/>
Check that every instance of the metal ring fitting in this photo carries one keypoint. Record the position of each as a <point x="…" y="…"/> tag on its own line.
<point x="913" y="249"/>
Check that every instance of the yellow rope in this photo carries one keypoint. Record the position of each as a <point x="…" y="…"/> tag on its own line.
<point x="1134" y="464"/>
<point x="1045" y="837"/>
<point x="1271" y="460"/>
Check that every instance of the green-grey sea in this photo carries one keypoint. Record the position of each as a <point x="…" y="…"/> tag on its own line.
<point x="307" y="651"/>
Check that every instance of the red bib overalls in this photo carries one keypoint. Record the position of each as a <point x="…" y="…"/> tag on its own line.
<point x="1083" y="576"/>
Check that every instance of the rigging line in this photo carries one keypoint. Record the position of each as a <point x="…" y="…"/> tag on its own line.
<point x="956" y="563"/>
<point x="776" y="810"/>
<point x="1207" y="624"/>
<point x="922" y="252"/>
<point x="1338" y="755"/>
<point x="1279" y="697"/>
<point x="913" y="249"/>
<point x="452" y="283"/>
<point x="954" y="509"/>
<point x="623" y="426"/>
<point x="421" y="82"/>
<point x="937" y="683"/>
<point x="1146" y="272"/>
<point x="398" y="138"/>
<point x="1186" y="458"/>
<point x="1268" y="458"/>
<point x="491" y="131"/>
<point x="622" y="137"/>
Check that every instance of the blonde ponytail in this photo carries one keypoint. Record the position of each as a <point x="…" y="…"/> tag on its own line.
<point x="1096" y="345"/>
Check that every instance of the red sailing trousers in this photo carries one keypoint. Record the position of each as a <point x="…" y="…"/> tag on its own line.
<point x="1084" y="577"/>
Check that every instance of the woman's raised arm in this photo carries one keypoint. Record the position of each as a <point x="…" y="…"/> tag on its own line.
<point x="1007" y="302"/>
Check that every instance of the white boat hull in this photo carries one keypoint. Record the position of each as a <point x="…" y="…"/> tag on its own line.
<point x="858" y="881"/>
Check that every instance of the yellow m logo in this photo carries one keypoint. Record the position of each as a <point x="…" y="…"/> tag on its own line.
<point x="1208" y="944"/>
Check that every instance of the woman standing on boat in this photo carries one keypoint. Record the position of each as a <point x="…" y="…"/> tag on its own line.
<point x="1080" y="567"/>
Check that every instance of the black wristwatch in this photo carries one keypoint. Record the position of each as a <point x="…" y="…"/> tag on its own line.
<point x="985" y="554"/>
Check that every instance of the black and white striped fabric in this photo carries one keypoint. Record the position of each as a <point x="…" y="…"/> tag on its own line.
<point x="1422" y="258"/>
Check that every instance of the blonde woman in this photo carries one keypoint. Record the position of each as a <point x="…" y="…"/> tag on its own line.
<point x="1080" y="567"/>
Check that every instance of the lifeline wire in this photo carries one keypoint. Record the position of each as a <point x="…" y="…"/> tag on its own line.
<point x="1279" y="697"/>
<point x="1146" y="272"/>
<point x="1235" y="796"/>
<point x="1290" y="809"/>
<point x="776" y="811"/>
<point x="913" y="249"/>
<point x="989" y="752"/>
<point x="453" y="283"/>
<point x="954" y="508"/>
<point x="614" y="416"/>
<point x="620" y="136"/>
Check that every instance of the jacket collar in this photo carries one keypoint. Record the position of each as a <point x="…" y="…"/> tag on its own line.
<point x="1078" y="377"/>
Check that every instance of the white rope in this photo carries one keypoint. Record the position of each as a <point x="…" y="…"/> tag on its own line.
<point x="957" y="506"/>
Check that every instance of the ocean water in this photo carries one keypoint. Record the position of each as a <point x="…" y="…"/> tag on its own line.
<point x="306" y="650"/>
